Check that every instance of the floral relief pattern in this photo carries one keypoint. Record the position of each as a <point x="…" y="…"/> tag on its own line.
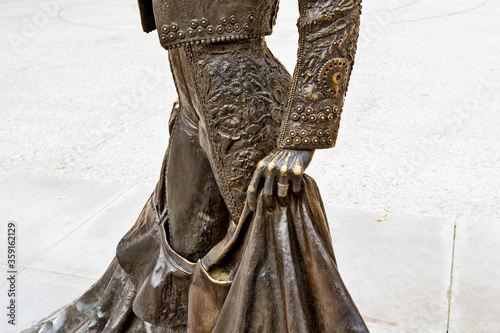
<point x="243" y="95"/>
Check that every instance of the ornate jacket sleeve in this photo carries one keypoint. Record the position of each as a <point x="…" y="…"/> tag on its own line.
<point x="328" y="33"/>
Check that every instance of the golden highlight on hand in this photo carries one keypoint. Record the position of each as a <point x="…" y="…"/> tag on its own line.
<point x="275" y="173"/>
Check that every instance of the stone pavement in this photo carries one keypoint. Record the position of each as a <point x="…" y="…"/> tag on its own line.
<point x="398" y="270"/>
<point x="84" y="104"/>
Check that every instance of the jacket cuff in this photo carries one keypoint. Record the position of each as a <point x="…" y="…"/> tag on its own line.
<point x="327" y="45"/>
<point x="311" y="128"/>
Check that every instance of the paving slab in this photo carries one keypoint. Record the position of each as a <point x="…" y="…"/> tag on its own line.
<point x="39" y="294"/>
<point x="89" y="250"/>
<point x="3" y="268"/>
<point x="47" y="209"/>
<point x="475" y="302"/>
<point x="397" y="270"/>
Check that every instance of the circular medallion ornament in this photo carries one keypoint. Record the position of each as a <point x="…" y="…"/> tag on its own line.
<point x="332" y="76"/>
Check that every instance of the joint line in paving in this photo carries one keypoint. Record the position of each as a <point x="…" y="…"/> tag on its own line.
<point x="450" y="287"/>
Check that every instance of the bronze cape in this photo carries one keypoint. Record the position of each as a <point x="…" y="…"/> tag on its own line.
<point x="197" y="259"/>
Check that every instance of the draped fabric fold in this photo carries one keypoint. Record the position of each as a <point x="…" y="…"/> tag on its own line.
<point x="275" y="271"/>
<point x="282" y="272"/>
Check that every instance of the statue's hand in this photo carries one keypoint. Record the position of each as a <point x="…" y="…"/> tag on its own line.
<point x="277" y="170"/>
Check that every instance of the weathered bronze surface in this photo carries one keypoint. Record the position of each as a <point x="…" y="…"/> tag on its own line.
<point x="234" y="238"/>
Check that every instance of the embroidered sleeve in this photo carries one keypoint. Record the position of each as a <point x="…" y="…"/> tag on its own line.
<point x="328" y="33"/>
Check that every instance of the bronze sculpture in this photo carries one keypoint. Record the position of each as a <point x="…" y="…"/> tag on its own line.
<point x="234" y="238"/>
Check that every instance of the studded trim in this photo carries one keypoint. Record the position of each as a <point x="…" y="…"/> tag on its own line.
<point x="327" y="45"/>
<point x="209" y="40"/>
<point x="177" y="26"/>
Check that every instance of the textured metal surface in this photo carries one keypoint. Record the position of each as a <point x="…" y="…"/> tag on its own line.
<point x="328" y="33"/>
<point x="234" y="237"/>
<point x="186" y="22"/>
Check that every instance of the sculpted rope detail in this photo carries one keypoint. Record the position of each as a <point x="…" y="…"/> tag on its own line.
<point x="328" y="32"/>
